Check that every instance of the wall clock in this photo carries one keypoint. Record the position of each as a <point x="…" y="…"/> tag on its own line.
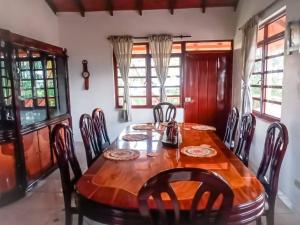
<point x="85" y="74"/>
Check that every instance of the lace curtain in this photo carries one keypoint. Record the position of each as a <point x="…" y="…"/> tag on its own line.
<point x="122" y="47"/>
<point x="161" y="48"/>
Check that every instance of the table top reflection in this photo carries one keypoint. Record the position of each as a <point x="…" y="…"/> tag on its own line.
<point x="116" y="183"/>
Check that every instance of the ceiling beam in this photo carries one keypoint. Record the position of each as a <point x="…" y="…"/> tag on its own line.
<point x="140" y="6"/>
<point x="80" y="7"/>
<point x="203" y="5"/>
<point x="172" y="4"/>
<point x="110" y="7"/>
<point x="236" y="5"/>
<point x="52" y="6"/>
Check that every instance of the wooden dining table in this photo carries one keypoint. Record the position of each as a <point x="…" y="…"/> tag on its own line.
<point x="107" y="191"/>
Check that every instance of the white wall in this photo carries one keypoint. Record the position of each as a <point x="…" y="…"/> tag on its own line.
<point x="291" y="102"/>
<point x="30" y="18"/>
<point x="86" y="38"/>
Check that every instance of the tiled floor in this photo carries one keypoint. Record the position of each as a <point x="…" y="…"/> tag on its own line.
<point x="44" y="205"/>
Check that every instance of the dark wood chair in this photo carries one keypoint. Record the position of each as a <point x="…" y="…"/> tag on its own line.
<point x="100" y="127"/>
<point x="246" y="134"/>
<point x="209" y="183"/>
<point x="160" y="116"/>
<point x="91" y="141"/>
<point x="63" y="146"/>
<point x="231" y="126"/>
<point x="276" y="143"/>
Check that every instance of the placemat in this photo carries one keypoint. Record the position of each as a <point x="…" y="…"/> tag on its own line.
<point x="199" y="151"/>
<point x="134" y="137"/>
<point x="203" y="128"/>
<point x="121" y="155"/>
<point x="143" y="127"/>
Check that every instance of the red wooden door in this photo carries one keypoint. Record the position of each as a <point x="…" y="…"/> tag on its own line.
<point x="207" y="88"/>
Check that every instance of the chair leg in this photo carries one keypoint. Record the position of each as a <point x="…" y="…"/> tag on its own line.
<point x="80" y="219"/>
<point x="69" y="218"/>
<point x="270" y="217"/>
<point x="258" y="221"/>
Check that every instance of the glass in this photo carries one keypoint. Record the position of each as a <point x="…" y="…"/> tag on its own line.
<point x="256" y="92"/>
<point x="274" y="94"/>
<point x="139" y="49"/>
<point x="49" y="74"/>
<point x="174" y="61"/>
<point x="137" y="72"/>
<point x="26" y="84"/>
<point x="273" y="109"/>
<point x="41" y="102"/>
<point x="277" y="26"/>
<point x="260" y="35"/>
<point x="58" y="99"/>
<point x="137" y="82"/>
<point x="155" y="91"/>
<point x="39" y="74"/>
<point x="172" y="91"/>
<point x="259" y="53"/>
<point x="275" y="63"/>
<point x="120" y="82"/>
<point x="274" y="79"/>
<point x="24" y="65"/>
<point x="276" y="48"/>
<point x="120" y="91"/>
<point x="51" y="102"/>
<point x="50" y="83"/>
<point x="138" y="101"/>
<point x="255" y="79"/>
<point x="138" y="62"/>
<point x="26" y="93"/>
<point x="25" y="74"/>
<point x="174" y="100"/>
<point x="174" y="72"/>
<point x="51" y="93"/>
<point x="176" y="48"/>
<point x="49" y="64"/>
<point x="39" y="84"/>
<point x="257" y="66"/>
<point x="172" y="81"/>
<point x="37" y="65"/>
<point x="208" y="46"/>
<point x="256" y="105"/>
<point x="137" y="91"/>
<point x="40" y="93"/>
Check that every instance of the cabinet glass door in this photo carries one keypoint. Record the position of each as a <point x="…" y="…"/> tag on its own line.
<point x="30" y="68"/>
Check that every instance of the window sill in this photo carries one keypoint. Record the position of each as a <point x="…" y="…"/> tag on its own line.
<point x="266" y="118"/>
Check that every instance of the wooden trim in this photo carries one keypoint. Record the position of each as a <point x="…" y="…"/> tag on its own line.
<point x="80" y="7"/>
<point x="172" y="4"/>
<point x="52" y="6"/>
<point x="139" y="6"/>
<point x="23" y="41"/>
<point x="110" y="7"/>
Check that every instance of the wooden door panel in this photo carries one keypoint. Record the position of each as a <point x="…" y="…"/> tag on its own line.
<point x="7" y="167"/>
<point x="32" y="155"/>
<point x="208" y="83"/>
<point x="44" y="147"/>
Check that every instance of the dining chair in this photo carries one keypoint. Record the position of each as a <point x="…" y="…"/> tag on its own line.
<point x="100" y="127"/>
<point x="210" y="189"/>
<point x="63" y="146"/>
<point x="276" y="142"/>
<point x="91" y="141"/>
<point x="231" y="126"/>
<point x="246" y="133"/>
<point x="160" y="116"/>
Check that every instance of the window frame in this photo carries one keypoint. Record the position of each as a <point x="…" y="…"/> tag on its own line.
<point x="264" y="70"/>
<point x="148" y="71"/>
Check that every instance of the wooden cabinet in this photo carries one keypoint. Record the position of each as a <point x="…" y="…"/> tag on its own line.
<point x="7" y="167"/>
<point x="37" y="153"/>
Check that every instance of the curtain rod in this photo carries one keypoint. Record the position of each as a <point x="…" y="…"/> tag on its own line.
<point x="176" y="36"/>
<point x="261" y="12"/>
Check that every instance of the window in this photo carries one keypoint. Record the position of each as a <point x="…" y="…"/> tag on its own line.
<point x="266" y="80"/>
<point x="143" y="81"/>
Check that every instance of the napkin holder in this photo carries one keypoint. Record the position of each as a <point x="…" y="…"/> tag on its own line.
<point x="170" y="135"/>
